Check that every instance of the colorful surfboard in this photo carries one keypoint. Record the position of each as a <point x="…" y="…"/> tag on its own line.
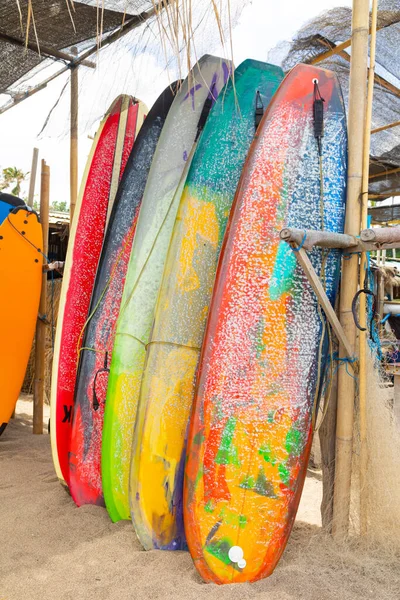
<point x="108" y="157"/>
<point x="157" y="215"/>
<point x="21" y="262"/>
<point x="251" y="425"/>
<point x="96" y="352"/>
<point x="166" y="396"/>
<point x="7" y="204"/>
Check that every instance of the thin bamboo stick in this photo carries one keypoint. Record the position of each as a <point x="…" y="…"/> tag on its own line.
<point x="384" y="127"/>
<point x="43" y="50"/>
<point x="383" y="196"/>
<point x="346" y="384"/>
<point x="32" y="179"/>
<point x="40" y="343"/>
<point x="384" y="173"/>
<point x="363" y="265"/>
<point x="73" y="165"/>
<point x="378" y="79"/>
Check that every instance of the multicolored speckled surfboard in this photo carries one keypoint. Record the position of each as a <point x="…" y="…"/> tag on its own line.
<point x="251" y="426"/>
<point x="158" y="457"/>
<point x="105" y="165"/>
<point x="153" y="233"/>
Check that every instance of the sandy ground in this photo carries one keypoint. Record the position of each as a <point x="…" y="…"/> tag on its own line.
<point x="51" y="550"/>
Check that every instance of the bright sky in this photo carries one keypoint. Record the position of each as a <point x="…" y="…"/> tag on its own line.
<point x="262" y="25"/>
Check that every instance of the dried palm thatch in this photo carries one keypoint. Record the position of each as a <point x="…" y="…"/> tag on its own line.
<point x="53" y="299"/>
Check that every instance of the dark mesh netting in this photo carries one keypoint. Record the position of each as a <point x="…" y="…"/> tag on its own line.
<point x="59" y="24"/>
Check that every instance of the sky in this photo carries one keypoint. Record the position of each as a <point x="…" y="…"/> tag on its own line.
<point x="262" y="25"/>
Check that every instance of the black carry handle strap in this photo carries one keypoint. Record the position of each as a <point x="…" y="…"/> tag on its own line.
<point x="105" y="369"/>
<point x="318" y="111"/>
<point x="205" y="112"/>
<point x="367" y="292"/>
<point x="259" y="113"/>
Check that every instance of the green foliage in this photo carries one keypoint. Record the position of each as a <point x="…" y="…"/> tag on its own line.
<point x="59" y="206"/>
<point x="12" y="177"/>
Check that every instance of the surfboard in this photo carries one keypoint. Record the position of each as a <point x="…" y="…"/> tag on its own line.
<point x="167" y="389"/>
<point x="157" y="215"/>
<point x="251" y="426"/>
<point x="105" y="165"/>
<point x="7" y="204"/>
<point x="21" y="262"/>
<point x="96" y="351"/>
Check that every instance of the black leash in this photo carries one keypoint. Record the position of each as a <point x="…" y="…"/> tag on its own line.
<point x="318" y="110"/>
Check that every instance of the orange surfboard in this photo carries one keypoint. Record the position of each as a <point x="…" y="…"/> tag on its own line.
<point x="21" y="262"/>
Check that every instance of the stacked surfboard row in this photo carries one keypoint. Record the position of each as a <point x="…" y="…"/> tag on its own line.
<point x="190" y="348"/>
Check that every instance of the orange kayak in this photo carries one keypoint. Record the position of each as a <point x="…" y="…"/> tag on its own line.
<point x="21" y="261"/>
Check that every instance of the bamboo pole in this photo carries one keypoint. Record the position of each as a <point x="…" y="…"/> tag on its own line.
<point x="363" y="266"/>
<point x="384" y="127"/>
<point x="349" y="283"/>
<point x="384" y="173"/>
<point x="327" y="434"/>
<point x="40" y="345"/>
<point x="32" y="179"/>
<point x="73" y="172"/>
<point x="43" y="50"/>
<point x="383" y="196"/>
<point x="378" y="79"/>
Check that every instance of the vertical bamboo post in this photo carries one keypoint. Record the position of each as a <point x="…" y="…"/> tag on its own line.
<point x="327" y="435"/>
<point x="73" y="174"/>
<point x="349" y="283"/>
<point x="381" y="295"/>
<point x="32" y="179"/>
<point x="40" y="342"/>
<point x="363" y="265"/>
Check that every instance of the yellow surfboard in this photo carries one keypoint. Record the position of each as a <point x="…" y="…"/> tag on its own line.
<point x="21" y="262"/>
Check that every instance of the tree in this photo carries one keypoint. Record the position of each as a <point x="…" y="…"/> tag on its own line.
<point x="10" y="176"/>
<point x="59" y="206"/>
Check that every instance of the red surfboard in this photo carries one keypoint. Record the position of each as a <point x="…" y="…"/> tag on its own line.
<point x="105" y="166"/>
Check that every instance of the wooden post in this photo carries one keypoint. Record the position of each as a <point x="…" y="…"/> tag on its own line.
<point x="349" y="283"/>
<point x="73" y="173"/>
<point x="327" y="435"/>
<point x="380" y="295"/>
<point x="394" y="369"/>
<point x="363" y="266"/>
<point x="40" y="345"/>
<point x="32" y="179"/>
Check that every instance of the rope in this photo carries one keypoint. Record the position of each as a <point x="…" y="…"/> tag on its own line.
<point x="318" y="132"/>
<point x="172" y="344"/>
<point x="328" y="387"/>
<point x="298" y="248"/>
<point x="25" y="238"/>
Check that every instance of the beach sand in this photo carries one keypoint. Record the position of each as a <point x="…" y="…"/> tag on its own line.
<point x="51" y="550"/>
